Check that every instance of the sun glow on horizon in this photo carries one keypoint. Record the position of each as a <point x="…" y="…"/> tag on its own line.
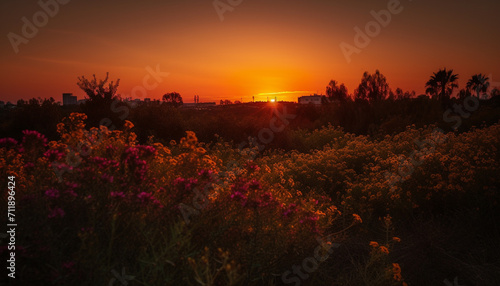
<point x="282" y="95"/>
<point x="284" y="92"/>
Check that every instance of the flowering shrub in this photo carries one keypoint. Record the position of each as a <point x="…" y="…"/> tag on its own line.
<point x="96" y="201"/>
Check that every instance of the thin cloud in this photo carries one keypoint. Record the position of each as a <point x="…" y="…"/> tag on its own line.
<point x="286" y="92"/>
<point x="75" y="63"/>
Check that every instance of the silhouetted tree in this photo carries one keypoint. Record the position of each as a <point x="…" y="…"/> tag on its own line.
<point x="173" y="98"/>
<point x="494" y="93"/>
<point x="37" y="114"/>
<point x="441" y="84"/>
<point x="464" y="93"/>
<point x="373" y="87"/>
<point x="478" y="83"/>
<point x="99" y="92"/>
<point x="336" y="92"/>
<point x="399" y="94"/>
<point x="102" y="101"/>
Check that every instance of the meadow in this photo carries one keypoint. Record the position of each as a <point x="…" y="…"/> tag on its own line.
<point x="95" y="206"/>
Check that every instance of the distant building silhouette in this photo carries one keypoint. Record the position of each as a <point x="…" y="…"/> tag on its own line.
<point x="69" y="99"/>
<point x="9" y="105"/>
<point x="199" y="105"/>
<point x="311" y="99"/>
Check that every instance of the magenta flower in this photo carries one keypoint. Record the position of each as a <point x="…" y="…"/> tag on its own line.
<point x="57" y="212"/>
<point x="185" y="184"/>
<point x="147" y="197"/>
<point x="68" y="265"/>
<point x="266" y="199"/>
<point x="107" y="178"/>
<point x="72" y="185"/>
<point x="71" y="193"/>
<point x="53" y="155"/>
<point x="206" y="174"/>
<point x="292" y="208"/>
<point x="117" y="195"/>
<point x="33" y="138"/>
<point x="252" y="167"/>
<point x="104" y="163"/>
<point x="52" y="193"/>
<point x="7" y="142"/>
<point x="132" y="158"/>
<point x="29" y="165"/>
<point x="254" y="185"/>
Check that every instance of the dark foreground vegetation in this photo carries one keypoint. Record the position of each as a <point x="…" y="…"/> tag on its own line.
<point x="392" y="191"/>
<point x="238" y="122"/>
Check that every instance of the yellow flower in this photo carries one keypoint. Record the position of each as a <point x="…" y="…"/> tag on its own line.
<point x="373" y="244"/>
<point x="128" y="125"/>
<point x="357" y="218"/>
<point x="396" y="270"/>
<point x="384" y="249"/>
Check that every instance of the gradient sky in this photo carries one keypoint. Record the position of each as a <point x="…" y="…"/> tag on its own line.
<point x="261" y="47"/>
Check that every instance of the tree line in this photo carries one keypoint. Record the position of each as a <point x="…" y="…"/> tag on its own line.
<point x="440" y="86"/>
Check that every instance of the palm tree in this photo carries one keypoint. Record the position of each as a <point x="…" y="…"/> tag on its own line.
<point x="478" y="83"/>
<point x="441" y="84"/>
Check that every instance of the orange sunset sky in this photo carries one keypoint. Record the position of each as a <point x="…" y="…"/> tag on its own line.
<point x="259" y="48"/>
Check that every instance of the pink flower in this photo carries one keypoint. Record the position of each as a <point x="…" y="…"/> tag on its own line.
<point x="117" y="195"/>
<point x="107" y="178"/>
<point x="71" y="193"/>
<point x="104" y="163"/>
<point x="185" y="184"/>
<point x="252" y="167"/>
<point x="57" y="212"/>
<point x="29" y="165"/>
<point x="33" y="138"/>
<point x="8" y="142"/>
<point x="52" y="193"/>
<point x="53" y="154"/>
<point x="148" y="197"/>
<point x="292" y="208"/>
<point x="254" y="185"/>
<point x="238" y="196"/>
<point x="206" y="174"/>
<point x="68" y="265"/>
<point x="266" y="199"/>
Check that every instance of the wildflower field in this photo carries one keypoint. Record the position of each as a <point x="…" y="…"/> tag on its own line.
<point x="96" y="208"/>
